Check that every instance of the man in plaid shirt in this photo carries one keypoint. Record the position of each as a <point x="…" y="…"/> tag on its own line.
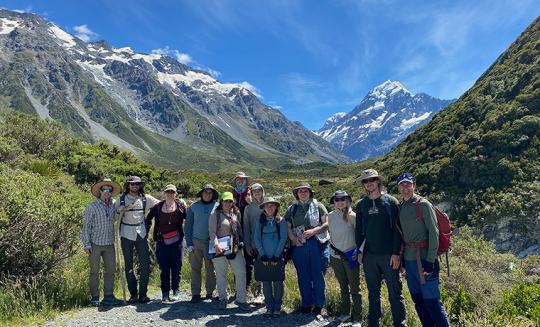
<point x="98" y="239"/>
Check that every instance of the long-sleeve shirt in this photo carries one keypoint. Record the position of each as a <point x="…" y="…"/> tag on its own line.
<point x="342" y="232"/>
<point x="376" y="226"/>
<point x="414" y="230"/>
<point x="176" y="222"/>
<point x="252" y="214"/>
<point x="98" y="223"/>
<point x="221" y="225"/>
<point x="267" y="241"/>
<point x="196" y="225"/>
<point x="133" y="220"/>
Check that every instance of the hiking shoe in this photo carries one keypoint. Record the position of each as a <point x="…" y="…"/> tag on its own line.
<point x="211" y="297"/>
<point x="243" y="306"/>
<point x="94" y="301"/>
<point x="144" y="299"/>
<point x="343" y="318"/>
<point x="268" y="313"/>
<point x="320" y="313"/>
<point x="175" y="295"/>
<point x="132" y="299"/>
<point x="357" y="323"/>
<point x="110" y="300"/>
<point x="195" y="299"/>
<point x="222" y="305"/>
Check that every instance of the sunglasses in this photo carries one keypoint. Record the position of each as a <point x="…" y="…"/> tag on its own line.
<point x="106" y="190"/>
<point x="170" y="192"/>
<point x="370" y="180"/>
<point x="340" y="199"/>
<point x="303" y="190"/>
<point x="137" y="183"/>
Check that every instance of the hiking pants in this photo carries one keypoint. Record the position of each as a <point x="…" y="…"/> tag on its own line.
<point x="273" y="295"/>
<point x="349" y="284"/>
<point x="426" y="297"/>
<point x="249" y="268"/>
<point x="169" y="258"/>
<point x="310" y="261"/>
<point x="377" y="267"/>
<point x="238" y="265"/>
<point x="141" y="246"/>
<point x="109" y="261"/>
<point x="196" y="259"/>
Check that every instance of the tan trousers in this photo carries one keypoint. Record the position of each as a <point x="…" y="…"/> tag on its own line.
<point x="238" y="265"/>
<point x="196" y="259"/>
<point x="109" y="262"/>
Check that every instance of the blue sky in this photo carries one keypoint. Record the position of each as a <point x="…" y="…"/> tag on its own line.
<point x="309" y="58"/>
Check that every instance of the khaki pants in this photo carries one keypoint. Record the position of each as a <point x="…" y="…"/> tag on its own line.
<point x="238" y="265"/>
<point x="196" y="259"/>
<point x="349" y="284"/>
<point x="109" y="262"/>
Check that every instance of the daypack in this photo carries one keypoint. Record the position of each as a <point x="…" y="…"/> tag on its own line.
<point x="123" y="204"/>
<point x="445" y="227"/>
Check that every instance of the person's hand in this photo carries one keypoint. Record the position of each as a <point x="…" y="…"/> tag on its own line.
<point x="249" y="252"/>
<point x="240" y="245"/>
<point x="88" y="250"/>
<point x="190" y="249"/>
<point x="296" y="241"/>
<point x="275" y="260"/>
<point x="219" y="250"/>
<point x="429" y="267"/>
<point x="265" y="259"/>
<point x="360" y="256"/>
<point x="309" y="233"/>
<point x="395" y="261"/>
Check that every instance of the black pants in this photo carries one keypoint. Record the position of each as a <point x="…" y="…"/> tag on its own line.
<point x="169" y="258"/>
<point x="249" y="268"/>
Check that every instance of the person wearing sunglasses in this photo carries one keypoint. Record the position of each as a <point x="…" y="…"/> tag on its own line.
<point x="376" y="225"/>
<point x="98" y="239"/>
<point x="132" y="208"/>
<point x="343" y="256"/>
<point x="169" y="217"/>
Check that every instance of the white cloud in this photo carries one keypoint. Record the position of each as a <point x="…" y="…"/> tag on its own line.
<point x="28" y="9"/>
<point x="84" y="33"/>
<point x="181" y="57"/>
<point x="251" y="88"/>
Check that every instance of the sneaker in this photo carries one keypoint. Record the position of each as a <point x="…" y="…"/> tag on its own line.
<point x="133" y="299"/>
<point x="243" y="306"/>
<point x="344" y="318"/>
<point x="165" y="298"/>
<point x="110" y="300"/>
<point x="356" y="324"/>
<point x="222" y="305"/>
<point x="268" y="313"/>
<point x="211" y="297"/>
<point x="144" y="299"/>
<point x="195" y="299"/>
<point x="276" y="314"/>
<point x="320" y="313"/>
<point x="94" y="301"/>
<point x="176" y="295"/>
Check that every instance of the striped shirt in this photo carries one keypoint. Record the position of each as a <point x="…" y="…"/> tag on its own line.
<point x="98" y="224"/>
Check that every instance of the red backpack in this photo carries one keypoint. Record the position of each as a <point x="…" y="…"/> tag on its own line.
<point x="445" y="227"/>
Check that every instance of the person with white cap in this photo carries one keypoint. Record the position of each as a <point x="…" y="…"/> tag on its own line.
<point x="251" y="215"/>
<point x="132" y="208"/>
<point x="376" y="225"/>
<point x="98" y="239"/>
<point x="169" y="217"/>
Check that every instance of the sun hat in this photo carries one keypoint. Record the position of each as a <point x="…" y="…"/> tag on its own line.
<point x="95" y="189"/>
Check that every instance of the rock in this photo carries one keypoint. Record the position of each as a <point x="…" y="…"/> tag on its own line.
<point x="324" y="181"/>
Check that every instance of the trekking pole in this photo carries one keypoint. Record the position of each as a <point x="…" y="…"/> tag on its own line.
<point x="119" y="259"/>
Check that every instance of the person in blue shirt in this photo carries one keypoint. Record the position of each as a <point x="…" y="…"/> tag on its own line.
<point x="270" y="237"/>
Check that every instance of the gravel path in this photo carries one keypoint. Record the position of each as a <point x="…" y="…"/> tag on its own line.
<point x="182" y="313"/>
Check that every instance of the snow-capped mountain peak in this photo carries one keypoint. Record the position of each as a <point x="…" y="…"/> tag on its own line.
<point x="388" y="89"/>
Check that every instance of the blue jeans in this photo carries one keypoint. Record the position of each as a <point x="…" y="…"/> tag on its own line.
<point x="273" y="295"/>
<point x="426" y="297"/>
<point x="169" y="258"/>
<point x="311" y="261"/>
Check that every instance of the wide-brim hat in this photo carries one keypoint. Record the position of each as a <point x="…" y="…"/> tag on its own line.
<point x="269" y="200"/>
<point x="340" y="194"/>
<point x="302" y="185"/>
<point x="95" y="189"/>
<point x="240" y="174"/>
<point x="209" y="187"/>
<point x="367" y="174"/>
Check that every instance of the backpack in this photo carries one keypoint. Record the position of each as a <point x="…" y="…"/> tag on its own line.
<point x="123" y="204"/>
<point x="286" y="253"/>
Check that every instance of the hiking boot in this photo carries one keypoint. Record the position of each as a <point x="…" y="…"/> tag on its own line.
<point x="268" y="313"/>
<point x="243" y="306"/>
<point x="222" y="305"/>
<point x="195" y="299"/>
<point x="175" y="295"/>
<point x="94" y="301"/>
<point x="110" y="300"/>
<point x="144" y="299"/>
<point x="133" y="299"/>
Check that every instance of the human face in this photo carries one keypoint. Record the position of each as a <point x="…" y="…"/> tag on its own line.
<point x="239" y="180"/>
<point x="134" y="187"/>
<point x="371" y="184"/>
<point x="258" y="193"/>
<point x="105" y="192"/>
<point x="207" y="195"/>
<point x="341" y="202"/>
<point x="303" y="194"/>
<point x="227" y="205"/>
<point x="169" y="195"/>
<point x="270" y="209"/>
<point x="406" y="189"/>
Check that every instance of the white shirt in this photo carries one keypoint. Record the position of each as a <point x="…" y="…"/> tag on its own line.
<point x="342" y="233"/>
<point x="135" y="216"/>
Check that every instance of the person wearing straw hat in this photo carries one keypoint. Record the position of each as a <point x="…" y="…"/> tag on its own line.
<point x="197" y="240"/>
<point x="307" y="221"/>
<point x="270" y="236"/>
<point x="169" y="217"/>
<point x="376" y="225"/>
<point x="98" y="239"/>
<point x="132" y="208"/>
<point x="343" y="256"/>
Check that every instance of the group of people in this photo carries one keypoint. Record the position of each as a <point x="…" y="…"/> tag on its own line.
<point x="244" y="228"/>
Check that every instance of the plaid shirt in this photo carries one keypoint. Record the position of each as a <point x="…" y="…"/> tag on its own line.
<point x="98" y="224"/>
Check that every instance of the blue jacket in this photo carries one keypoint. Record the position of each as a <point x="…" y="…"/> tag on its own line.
<point x="270" y="243"/>
<point x="196" y="226"/>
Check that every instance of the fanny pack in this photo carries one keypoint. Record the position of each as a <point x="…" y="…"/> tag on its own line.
<point x="350" y="256"/>
<point x="171" y="237"/>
